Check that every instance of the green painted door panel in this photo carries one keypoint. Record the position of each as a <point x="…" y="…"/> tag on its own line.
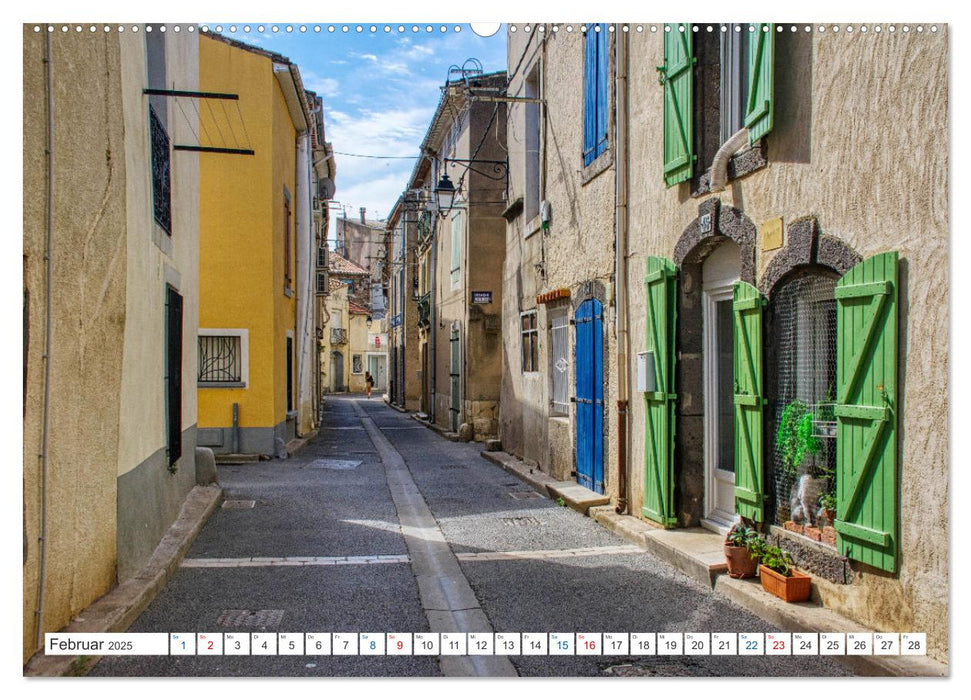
<point x="866" y="412"/>
<point x="661" y="284"/>
<point x="747" y="314"/>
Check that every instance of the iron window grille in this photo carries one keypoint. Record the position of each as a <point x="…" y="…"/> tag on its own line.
<point x="220" y="360"/>
<point x="161" y="173"/>
<point x="357" y="364"/>
<point x="560" y="363"/>
<point x="530" y="341"/>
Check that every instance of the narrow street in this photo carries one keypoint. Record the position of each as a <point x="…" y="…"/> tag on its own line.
<point x="404" y="531"/>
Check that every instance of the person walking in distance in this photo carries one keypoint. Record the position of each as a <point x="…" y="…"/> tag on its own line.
<point x="369" y="383"/>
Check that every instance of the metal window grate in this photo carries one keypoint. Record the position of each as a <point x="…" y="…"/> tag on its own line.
<point x="220" y="359"/>
<point x="161" y="173"/>
<point x="560" y="362"/>
<point x="804" y="369"/>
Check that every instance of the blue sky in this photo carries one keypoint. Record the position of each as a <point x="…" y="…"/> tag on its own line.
<point x="380" y="91"/>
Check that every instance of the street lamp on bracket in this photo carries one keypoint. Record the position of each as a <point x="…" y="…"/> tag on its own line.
<point x="445" y="190"/>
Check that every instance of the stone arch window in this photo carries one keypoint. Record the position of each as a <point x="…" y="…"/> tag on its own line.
<point x="800" y="373"/>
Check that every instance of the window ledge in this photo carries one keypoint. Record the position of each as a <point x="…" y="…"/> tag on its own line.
<point x="815" y="557"/>
<point x="532" y="227"/>
<point x="562" y="418"/>
<point x="513" y="210"/>
<point x="739" y="165"/>
<point x="597" y="166"/>
<point x="221" y="385"/>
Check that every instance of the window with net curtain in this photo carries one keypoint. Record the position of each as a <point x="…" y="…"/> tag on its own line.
<point x="802" y="357"/>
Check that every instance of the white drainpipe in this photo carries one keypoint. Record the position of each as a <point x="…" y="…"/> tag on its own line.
<point x="719" y="165"/>
<point x="304" y="265"/>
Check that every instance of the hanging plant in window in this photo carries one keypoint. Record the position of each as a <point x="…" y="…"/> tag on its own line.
<point x="796" y="439"/>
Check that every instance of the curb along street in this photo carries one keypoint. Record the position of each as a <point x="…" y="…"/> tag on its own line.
<point x="698" y="554"/>
<point x="117" y="609"/>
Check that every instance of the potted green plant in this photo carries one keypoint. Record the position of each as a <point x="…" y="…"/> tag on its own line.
<point x="828" y="503"/>
<point x="780" y="578"/>
<point x="742" y="551"/>
<point x="795" y="438"/>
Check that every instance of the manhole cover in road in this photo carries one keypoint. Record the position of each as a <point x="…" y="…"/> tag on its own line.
<point x="655" y="667"/>
<point x="455" y="466"/>
<point x="522" y="521"/>
<point x="524" y="495"/>
<point x="250" y="618"/>
<point x="334" y="464"/>
<point x="237" y="504"/>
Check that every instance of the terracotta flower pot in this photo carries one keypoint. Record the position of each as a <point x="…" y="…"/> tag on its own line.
<point x="740" y="562"/>
<point x="793" y="588"/>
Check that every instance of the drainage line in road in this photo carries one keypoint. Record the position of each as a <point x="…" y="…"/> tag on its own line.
<point x="446" y="596"/>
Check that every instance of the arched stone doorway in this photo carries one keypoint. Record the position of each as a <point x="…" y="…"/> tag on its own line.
<point x="714" y="251"/>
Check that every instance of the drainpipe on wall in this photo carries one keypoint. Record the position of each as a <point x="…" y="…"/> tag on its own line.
<point x="432" y="321"/>
<point x="304" y="216"/>
<point x="719" y="164"/>
<point x="620" y="273"/>
<point x="49" y="274"/>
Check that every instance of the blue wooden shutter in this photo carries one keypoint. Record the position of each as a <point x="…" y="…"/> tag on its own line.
<point x="675" y="76"/>
<point x="596" y="77"/>
<point x="603" y="84"/>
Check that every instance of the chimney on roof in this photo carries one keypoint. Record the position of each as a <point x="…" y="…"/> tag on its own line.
<point x="363" y="212"/>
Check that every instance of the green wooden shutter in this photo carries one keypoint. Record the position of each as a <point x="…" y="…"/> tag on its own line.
<point x="761" y="62"/>
<point x="675" y="76"/>
<point x="661" y="283"/>
<point x="747" y="315"/>
<point x="866" y="412"/>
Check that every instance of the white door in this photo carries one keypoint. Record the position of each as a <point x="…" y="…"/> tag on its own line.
<point x="719" y="273"/>
<point x="377" y="366"/>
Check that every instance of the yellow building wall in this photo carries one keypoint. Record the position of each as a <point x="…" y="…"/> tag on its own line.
<point x="241" y="235"/>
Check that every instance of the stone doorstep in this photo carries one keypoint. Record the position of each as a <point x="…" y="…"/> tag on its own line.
<point x="698" y="553"/>
<point x="579" y="498"/>
<point x="226" y="458"/>
<point x="694" y="551"/>
<point x="117" y="610"/>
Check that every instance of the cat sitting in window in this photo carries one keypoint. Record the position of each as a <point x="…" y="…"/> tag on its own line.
<point x="803" y="499"/>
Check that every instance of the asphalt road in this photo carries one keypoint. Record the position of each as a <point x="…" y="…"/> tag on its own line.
<point x="337" y="498"/>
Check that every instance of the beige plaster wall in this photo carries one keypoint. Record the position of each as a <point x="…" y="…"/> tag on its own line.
<point x="577" y="249"/>
<point x="89" y="316"/>
<point x="155" y="259"/>
<point x="861" y="143"/>
<point x="335" y="301"/>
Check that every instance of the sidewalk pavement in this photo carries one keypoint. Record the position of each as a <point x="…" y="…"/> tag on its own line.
<point x="698" y="553"/>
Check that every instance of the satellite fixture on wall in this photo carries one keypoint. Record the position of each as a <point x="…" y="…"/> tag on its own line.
<point x="326" y="188"/>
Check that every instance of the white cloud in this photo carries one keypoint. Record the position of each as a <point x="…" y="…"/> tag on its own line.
<point x="326" y="87"/>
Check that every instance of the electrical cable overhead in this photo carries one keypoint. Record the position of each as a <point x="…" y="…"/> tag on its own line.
<point x="365" y="155"/>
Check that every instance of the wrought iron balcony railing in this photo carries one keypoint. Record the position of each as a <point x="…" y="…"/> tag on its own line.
<point x="424" y="310"/>
<point x="338" y="336"/>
